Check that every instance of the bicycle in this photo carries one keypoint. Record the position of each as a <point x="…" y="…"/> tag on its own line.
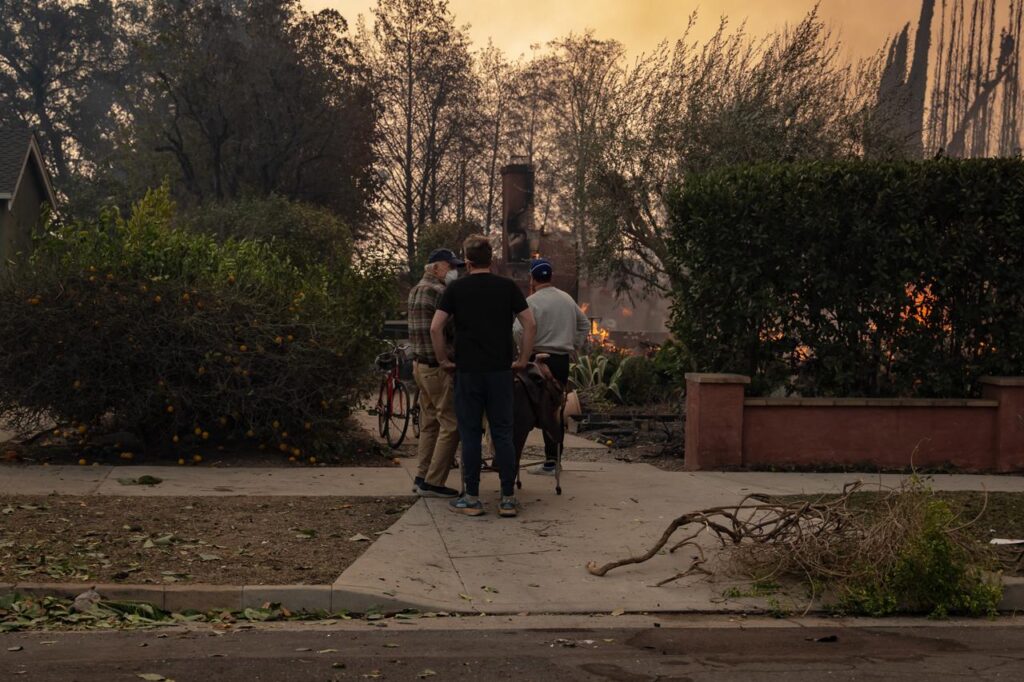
<point x="394" y="409"/>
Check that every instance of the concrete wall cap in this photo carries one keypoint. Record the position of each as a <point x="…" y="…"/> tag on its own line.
<point x="1002" y="381"/>
<point x="868" y="402"/>
<point x="701" y="378"/>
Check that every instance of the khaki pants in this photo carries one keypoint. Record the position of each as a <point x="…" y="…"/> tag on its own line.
<point x="439" y="434"/>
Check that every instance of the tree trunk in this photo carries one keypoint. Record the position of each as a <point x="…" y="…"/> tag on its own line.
<point x="917" y="81"/>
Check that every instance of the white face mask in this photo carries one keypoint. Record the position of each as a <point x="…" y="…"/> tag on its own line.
<point x="451" y="276"/>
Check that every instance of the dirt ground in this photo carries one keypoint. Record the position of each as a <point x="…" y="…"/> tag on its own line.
<point x="224" y="540"/>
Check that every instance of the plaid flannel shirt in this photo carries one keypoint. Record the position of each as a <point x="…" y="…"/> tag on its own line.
<point x="423" y="300"/>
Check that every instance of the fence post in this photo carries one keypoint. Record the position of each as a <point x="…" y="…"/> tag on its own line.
<point x="1009" y="445"/>
<point x="714" y="420"/>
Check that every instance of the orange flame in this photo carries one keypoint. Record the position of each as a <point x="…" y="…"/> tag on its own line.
<point x="922" y="301"/>
<point x="600" y="337"/>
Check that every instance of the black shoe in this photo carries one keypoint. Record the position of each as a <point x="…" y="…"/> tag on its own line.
<point x="427" y="490"/>
<point x="417" y="484"/>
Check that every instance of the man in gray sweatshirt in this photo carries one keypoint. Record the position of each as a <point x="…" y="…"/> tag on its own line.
<point x="561" y="329"/>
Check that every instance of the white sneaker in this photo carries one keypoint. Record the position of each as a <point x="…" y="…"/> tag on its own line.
<point x="541" y="469"/>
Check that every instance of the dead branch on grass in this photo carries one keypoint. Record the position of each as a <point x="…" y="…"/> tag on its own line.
<point x="755" y="519"/>
<point x="838" y="541"/>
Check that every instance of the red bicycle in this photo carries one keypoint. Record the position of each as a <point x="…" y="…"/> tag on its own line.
<point x="394" y="408"/>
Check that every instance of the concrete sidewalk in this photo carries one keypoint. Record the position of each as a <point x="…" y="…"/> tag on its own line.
<point x="435" y="560"/>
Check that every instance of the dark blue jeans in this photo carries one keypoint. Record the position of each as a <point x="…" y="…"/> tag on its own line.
<point x="477" y="393"/>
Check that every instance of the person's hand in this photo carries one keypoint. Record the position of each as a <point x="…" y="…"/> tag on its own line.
<point x="448" y="365"/>
<point x="520" y="365"/>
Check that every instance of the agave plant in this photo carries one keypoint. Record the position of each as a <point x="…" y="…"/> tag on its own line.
<point x="587" y="374"/>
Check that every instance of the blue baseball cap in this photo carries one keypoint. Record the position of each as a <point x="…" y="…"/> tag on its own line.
<point x="540" y="267"/>
<point x="445" y="256"/>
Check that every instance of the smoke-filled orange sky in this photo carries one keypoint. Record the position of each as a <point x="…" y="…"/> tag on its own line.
<point x="514" y="25"/>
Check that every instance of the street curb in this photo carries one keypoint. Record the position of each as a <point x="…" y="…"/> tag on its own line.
<point x="204" y="597"/>
<point x="333" y="598"/>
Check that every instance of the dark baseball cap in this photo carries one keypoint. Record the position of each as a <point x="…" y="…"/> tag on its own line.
<point x="541" y="267"/>
<point x="445" y="256"/>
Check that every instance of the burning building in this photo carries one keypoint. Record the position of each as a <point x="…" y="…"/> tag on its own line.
<point x="615" y="319"/>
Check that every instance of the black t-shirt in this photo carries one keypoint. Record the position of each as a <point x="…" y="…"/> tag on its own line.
<point x="484" y="306"/>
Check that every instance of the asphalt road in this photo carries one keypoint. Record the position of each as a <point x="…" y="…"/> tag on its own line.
<point x="357" y="651"/>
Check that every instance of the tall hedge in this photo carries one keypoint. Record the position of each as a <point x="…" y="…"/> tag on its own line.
<point x="853" y="278"/>
<point x="185" y="341"/>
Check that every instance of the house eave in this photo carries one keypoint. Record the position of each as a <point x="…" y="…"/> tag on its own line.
<point x="33" y="153"/>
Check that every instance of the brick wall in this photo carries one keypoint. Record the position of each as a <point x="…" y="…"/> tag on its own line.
<point x="725" y="429"/>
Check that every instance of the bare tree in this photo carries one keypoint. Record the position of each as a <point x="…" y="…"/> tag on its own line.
<point x="975" y="101"/>
<point x="422" y="70"/>
<point x="62" y="65"/>
<point x="696" y="106"/>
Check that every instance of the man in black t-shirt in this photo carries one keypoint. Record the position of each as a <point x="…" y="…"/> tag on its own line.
<point x="484" y="306"/>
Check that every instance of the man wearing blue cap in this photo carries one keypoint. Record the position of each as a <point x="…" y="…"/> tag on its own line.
<point x="439" y="433"/>
<point x="561" y="328"/>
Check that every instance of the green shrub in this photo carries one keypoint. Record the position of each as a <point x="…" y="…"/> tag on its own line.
<point x="853" y="278"/>
<point x="637" y="381"/>
<point x="186" y="341"/>
<point x="672" y="362"/>
<point x="303" y="233"/>
<point x="931" y="572"/>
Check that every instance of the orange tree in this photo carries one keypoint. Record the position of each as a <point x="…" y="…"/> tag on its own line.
<point x="185" y="341"/>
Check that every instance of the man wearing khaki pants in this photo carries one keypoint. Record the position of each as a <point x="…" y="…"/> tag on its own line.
<point x="439" y="434"/>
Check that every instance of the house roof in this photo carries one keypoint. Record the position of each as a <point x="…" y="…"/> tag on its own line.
<point x="18" y="148"/>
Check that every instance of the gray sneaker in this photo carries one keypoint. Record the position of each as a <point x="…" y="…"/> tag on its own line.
<point x="508" y="507"/>
<point x="466" y="508"/>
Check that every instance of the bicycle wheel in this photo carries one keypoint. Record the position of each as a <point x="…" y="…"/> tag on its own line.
<point x="382" y="408"/>
<point x="398" y="415"/>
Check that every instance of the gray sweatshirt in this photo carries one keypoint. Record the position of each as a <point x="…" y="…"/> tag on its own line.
<point x="561" y="325"/>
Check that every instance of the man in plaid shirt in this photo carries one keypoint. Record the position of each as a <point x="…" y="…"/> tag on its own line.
<point x="439" y="434"/>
